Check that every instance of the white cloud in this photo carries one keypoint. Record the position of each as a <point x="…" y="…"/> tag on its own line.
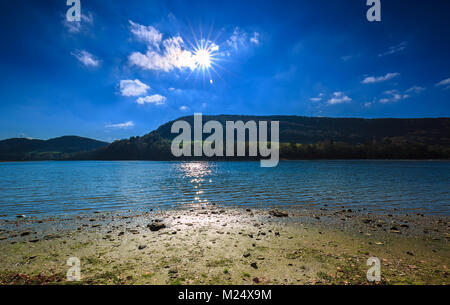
<point x="152" y="99"/>
<point x="317" y="99"/>
<point x="444" y="82"/>
<point x="173" y="57"/>
<point x="368" y="104"/>
<point x="395" y="49"/>
<point x="393" y="96"/>
<point x="175" y="91"/>
<point x="416" y="89"/>
<point x="76" y="26"/>
<point x="133" y="87"/>
<point x="148" y="34"/>
<point x="86" y="58"/>
<point x="184" y="108"/>
<point x="255" y="38"/>
<point x="171" y="53"/>
<point x="378" y="79"/>
<point x="339" y="98"/>
<point x="121" y="125"/>
<point x="237" y="39"/>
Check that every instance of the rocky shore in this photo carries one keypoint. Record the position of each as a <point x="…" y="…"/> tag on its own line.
<point x="223" y="245"/>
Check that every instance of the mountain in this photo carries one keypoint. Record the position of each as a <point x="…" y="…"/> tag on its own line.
<point x="22" y="149"/>
<point x="307" y="130"/>
<point x="300" y="138"/>
<point x="310" y="138"/>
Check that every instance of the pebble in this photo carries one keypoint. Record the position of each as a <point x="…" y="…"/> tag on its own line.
<point x="278" y="213"/>
<point x="156" y="225"/>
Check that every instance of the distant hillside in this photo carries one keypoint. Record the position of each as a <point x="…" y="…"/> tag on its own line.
<point x="307" y="130"/>
<point x="311" y="138"/>
<point x="22" y="149"/>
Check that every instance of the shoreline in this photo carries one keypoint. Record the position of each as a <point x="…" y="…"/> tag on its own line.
<point x="225" y="160"/>
<point x="223" y="245"/>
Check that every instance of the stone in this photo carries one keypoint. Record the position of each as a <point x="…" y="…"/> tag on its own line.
<point x="156" y="225"/>
<point x="278" y="213"/>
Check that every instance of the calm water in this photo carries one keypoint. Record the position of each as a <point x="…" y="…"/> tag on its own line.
<point x="54" y="188"/>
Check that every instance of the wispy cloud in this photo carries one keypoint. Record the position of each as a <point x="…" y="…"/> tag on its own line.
<point x="393" y="96"/>
<point x="152" y="99"/>
<point x="317" y="99"/>
<point x="379" y="79"/>
<point x="238" y="39"/>
<point x="445" y="84"/>
<point x="147" y="34"/>
<point x="86" y="58"/>
<point x="255" y="38"/>
<point x="184" y="108"/>
<point x="172" y="53"/>
<point x="125" y="125"/>
<point x="416" y="89"/>
<point x="287" y="74"/>
<point x="174" y="56"/>
<point x="350" y="57"/>
<point x="339" y="98"/>
<point x="133" y="87"/>
<point x="77" y="26"/>
<point x="394" y="49"/>
<point x="346" y="57"/>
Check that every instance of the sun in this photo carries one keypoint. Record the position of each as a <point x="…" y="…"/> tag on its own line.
<point x="204" y="54"/>
<point x="203" y="58"/>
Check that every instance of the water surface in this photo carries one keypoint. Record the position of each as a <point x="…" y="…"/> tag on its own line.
<point x="56" y="188"/>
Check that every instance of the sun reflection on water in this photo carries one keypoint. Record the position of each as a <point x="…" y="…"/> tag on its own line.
<point x="196" y="170"/>
<point x="198" y="174"/>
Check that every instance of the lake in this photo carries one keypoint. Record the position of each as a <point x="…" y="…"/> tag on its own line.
<point x="57" y="188"/>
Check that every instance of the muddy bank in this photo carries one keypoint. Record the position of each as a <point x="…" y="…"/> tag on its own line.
<point x="217" y="245"/>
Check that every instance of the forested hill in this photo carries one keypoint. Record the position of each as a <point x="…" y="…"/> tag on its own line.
<point x="23" y="149"/>
<point x="311" y="138"/>
<point x="296" y="129"/>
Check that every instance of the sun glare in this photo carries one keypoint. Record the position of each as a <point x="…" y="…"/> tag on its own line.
<point x="204" y="54"/>
<point x="203" y="58"/>
<point x="206" y="58"/>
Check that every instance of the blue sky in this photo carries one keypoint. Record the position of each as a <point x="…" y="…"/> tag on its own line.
<point x="130" y="66"/>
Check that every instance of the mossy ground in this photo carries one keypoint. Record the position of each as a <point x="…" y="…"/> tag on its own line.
<point x="231" y="246"/>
